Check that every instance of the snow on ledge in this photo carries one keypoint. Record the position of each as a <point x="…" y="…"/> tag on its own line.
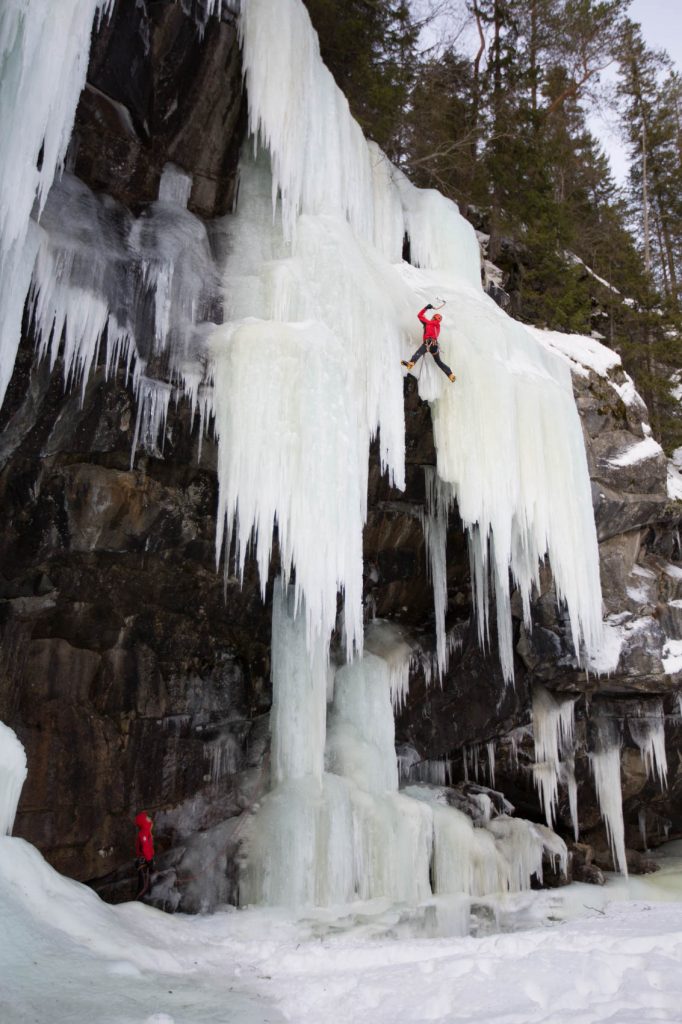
<point x="674" y="482"/>
<point x="605" y="660"/>
<point x="640" y="452"/>
<point x="672" y="657"/>
<point x="582" y="353"/>
<point x="630" y="396"/>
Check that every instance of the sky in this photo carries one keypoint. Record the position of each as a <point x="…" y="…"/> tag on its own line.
<point x="661" y="22"/>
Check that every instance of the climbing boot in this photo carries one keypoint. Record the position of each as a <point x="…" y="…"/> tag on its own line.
<point x="407" y="363"/>
<point x="452" y="378"/>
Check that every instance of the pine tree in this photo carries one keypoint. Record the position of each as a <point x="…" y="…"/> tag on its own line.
<point x="370" y="48"/>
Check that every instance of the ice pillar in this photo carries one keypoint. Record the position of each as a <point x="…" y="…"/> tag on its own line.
<point x="12" y="776"/>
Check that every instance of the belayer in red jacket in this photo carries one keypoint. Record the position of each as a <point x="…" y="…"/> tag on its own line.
<point x="144" y="851"/>
<point x="430" y="343"/>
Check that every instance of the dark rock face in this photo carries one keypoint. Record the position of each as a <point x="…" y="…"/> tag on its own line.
<point x="161" y="90"/>
<point x="136" y="678"/>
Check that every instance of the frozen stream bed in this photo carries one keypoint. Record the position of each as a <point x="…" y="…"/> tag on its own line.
<point x="579" y="954"/>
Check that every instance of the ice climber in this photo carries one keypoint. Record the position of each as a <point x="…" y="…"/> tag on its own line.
<point x="144" y="851"/>
<point x="430" y="343"/>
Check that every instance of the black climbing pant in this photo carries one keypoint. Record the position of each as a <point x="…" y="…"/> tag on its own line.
<point x="145" y="869"/>
<point x="434" y="350"/>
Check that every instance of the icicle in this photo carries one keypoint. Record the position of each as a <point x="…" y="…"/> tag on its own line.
<point x="13" y="771"/>
<point x="648" y="732"/>
<point x="567" y="777"/>
<point x="553" y="733"/>
<point x="641" y="819"/>
<point x="490" y="749"/>
<point x="44" y="51"/>
<point x="385" y="639"/>
<point x="523" y="844"/>
<point x="153" y="399"/>
<point x="435" y="526"/>
<point x="605" y="764"/>
<point x="223" y="755"/>
<point x="321" y="163"/>
<point x="474" y="754"/>
<point x="175" y="185"/>
<point x="284" y="423"/>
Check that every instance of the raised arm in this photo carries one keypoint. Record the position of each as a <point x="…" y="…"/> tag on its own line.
<point x="424" y="319"/>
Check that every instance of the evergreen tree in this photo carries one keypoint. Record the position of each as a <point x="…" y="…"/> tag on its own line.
<point x="370" y="48"/>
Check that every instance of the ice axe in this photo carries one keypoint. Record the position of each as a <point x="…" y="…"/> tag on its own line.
<point x="441" y="303"/>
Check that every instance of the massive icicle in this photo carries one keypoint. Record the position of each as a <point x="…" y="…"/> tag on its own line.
<point x="44" y="49"/>
<point x="13" y="772"/>
<point x="299" y="393"/>
<point x="435" y="525"/>
<point x="648" y="732"/>
<point x="605" y="763"/>
<point x="553" y="736"/>
<point x="508" y="435"/>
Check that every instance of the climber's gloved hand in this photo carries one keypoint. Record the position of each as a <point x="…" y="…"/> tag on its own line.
<point x="429" y="306"/>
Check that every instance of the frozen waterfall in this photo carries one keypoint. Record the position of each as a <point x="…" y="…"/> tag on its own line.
<point x="283" y="325"/>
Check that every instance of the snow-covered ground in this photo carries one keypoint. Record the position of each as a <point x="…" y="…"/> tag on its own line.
<point x="578" y="955"/>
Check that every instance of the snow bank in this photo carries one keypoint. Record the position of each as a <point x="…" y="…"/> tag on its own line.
<point x="66" y="955"/>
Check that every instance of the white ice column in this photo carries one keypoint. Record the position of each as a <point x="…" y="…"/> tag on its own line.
<point x="435" y="526"/>
<point x="361" y="740"/>
<point x="298" y="846"/>
<point x="299" y="694"/>
<point x="605" y="763"/>
<point x="553" y="735"/>
<point x="13" y="772"/>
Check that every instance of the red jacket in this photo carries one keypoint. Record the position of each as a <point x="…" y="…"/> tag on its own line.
<point x="144" y="843"/>
<point x="431" y="327"/>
